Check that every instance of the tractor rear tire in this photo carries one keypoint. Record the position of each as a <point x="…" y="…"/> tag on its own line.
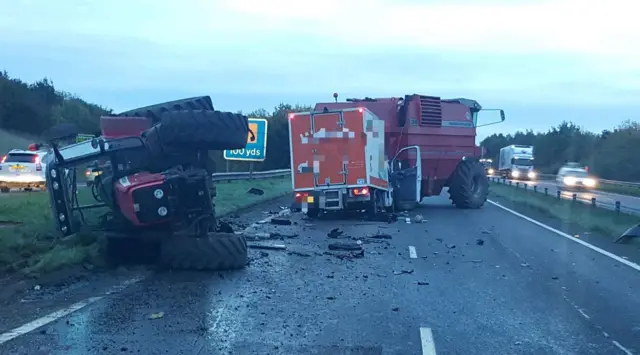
<point x="156" y="112"/>
<point x="468" y="185"/>
<point x="217" y="252"/>
<point x="198" y="130"/>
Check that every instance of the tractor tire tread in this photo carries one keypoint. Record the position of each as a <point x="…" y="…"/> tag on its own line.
<point x="156" y="112"/>
<point x="198" y="130"/>
<point x="217" y="252"/>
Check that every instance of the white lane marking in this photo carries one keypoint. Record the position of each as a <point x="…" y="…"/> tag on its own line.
<point x="426" y="339"/>
<point x="412" y="252"/>
<point x="563" y="234"/>
<point x="625" y="350"/>
<point x="51" y="317"/>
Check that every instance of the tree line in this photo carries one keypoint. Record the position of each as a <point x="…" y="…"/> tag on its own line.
<point x="611" y="154"/>
<point x="35" y="108"/>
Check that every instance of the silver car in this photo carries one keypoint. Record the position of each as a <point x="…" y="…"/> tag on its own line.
<point x="573" y="178"/>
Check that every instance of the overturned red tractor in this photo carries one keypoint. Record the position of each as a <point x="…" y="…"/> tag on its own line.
<point x="155" y="182"/>
<point x="387" y="153"/>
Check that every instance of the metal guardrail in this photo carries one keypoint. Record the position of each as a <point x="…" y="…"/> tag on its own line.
<point x="250" y="175"/>
<point x="616" y="206"/>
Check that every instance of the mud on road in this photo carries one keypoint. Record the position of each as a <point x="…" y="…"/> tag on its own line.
<point x="451" y="281"/>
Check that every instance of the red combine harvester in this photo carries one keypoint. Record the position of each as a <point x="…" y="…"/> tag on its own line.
<point x="387" y="153"/>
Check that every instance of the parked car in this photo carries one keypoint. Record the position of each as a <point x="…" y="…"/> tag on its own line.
<point x="22" y="169"/>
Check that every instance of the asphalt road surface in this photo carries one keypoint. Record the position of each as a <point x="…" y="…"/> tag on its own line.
<point x="630" y="204"/>
<point x="463" y="282"/>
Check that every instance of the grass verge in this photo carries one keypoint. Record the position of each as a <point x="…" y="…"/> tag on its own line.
<point x="30" y="244"/>
<point x="598" y="220"/>
<point x="10" y="141"/>
<point x="622" y="190"/>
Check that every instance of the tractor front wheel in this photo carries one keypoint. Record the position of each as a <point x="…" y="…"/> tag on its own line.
<point x="216" y="252"/>
<point x="468" y="185"/>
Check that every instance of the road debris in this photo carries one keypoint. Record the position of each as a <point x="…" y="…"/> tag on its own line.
<point x="268" y="247"/>
<point x="422" y="283"/>
<point x="331" y="298"/>
<point x="479" y="242"/>
<point x="156" y="315"/>
<point x="269" y="236"/>
<point x="280" y="221"/>
<point x="525" y="265"/>
<point x="335" y="233"/>
<point x="345" y="246"/>
<point x="401" y="272"/>
<point x="298" y="253"/>
<point x="379" y="235"/>
<point x="255" y="191"/>
<point x="346" y="256"/>
<point x="395" y="309"/>
<point x="451" y="246"/>
<point x="476" y="261"/>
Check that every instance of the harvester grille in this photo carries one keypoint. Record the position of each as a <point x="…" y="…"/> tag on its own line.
<point x="430" y="111"/>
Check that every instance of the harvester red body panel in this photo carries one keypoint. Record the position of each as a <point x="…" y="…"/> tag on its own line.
<point x="444" y="130"/>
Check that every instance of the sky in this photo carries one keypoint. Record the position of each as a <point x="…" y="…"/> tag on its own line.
<point x="541" y="61"/>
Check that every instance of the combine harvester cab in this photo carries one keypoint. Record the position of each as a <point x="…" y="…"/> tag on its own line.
<point x="428" y="144"/>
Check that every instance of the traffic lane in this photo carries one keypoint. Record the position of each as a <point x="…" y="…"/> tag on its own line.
<point x="603" y="199"/>
<point x="576" y="283"/>
<point x="321" y="304"/>
<point x="482" y="293"/>
<point x="281" y="304"/>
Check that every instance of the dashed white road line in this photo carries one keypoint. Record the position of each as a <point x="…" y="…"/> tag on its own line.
<point x="412" y="252"/>
<point x="426" y="339"/>
<point x="563" y="234"/>
<point x="31" y="326"/>
<point x="624" y="350"/>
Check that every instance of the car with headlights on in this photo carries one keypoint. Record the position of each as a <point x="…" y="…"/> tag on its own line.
<point x="574" y="178"/>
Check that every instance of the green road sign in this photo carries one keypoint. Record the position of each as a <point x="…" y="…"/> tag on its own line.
<point x="256" y="149"/>
<point x="84" y="137"/>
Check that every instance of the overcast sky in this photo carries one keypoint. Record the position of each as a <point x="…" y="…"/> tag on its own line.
<point x="542" y="61"/>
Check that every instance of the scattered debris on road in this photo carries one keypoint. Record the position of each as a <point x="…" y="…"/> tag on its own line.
<point x="451" y="246"/>
<point x="401" y="272"/>
<point x="395" y="309"/>
<point x="280" y="221"/>
<point x="476" y="261"/>
<point x="268" y="247"/>
<point x="298" y="253"/>
<point x="479" y="242"/>
<point x="156" y="315"/>
<point x="422" y="283"/>
<point x="269" y="236"/>
<point x="379" y="235"/>
<point x="335" y="233"/>
<point x="346" y="256"/>
<point x="345" y="246"/>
